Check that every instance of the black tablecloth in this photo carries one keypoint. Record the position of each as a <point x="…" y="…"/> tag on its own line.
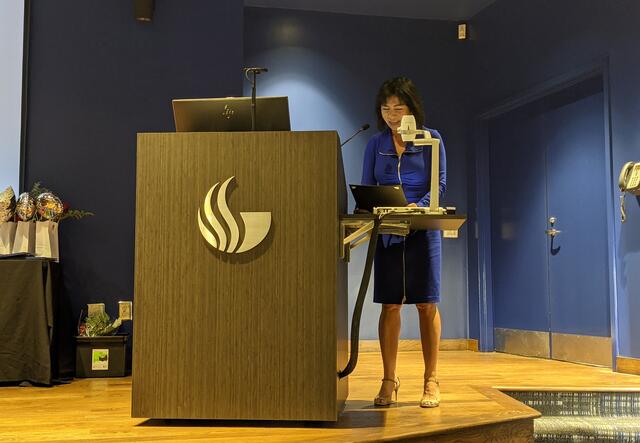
<point x="27" y="303"/>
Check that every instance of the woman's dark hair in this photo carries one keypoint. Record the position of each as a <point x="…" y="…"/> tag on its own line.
<point x="407" y="93"/>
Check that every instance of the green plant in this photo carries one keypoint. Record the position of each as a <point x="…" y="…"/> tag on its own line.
<point x="100" y="324"/>
<point x="37" y="190"/>
<point x="75" y="214"/>
<point x="67" y="212"/>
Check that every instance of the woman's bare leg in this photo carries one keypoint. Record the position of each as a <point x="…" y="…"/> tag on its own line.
<point x="430" y="330"/>
<point x="389" y="334"/>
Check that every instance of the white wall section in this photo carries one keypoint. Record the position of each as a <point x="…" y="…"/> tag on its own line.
<point x="11" y="36"/>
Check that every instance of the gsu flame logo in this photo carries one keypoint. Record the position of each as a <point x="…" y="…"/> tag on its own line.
<point x="222" y="231"/>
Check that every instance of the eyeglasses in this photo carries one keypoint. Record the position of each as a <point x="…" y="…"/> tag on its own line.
<point x="395" y="110"/>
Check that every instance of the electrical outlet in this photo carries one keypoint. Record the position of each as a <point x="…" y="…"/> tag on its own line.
<point x="462" y="31"/>
<point x="125" y="310"/>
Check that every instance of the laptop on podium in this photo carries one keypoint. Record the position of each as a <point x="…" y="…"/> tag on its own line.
<point x="230" y="114"/>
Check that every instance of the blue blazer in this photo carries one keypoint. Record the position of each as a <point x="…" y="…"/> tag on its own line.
<point x="412" y="170"/>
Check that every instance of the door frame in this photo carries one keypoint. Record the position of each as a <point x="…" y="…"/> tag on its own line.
<point x="482" y="240"/>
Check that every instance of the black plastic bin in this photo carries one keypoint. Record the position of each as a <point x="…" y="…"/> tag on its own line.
<point x="101" y="356"/>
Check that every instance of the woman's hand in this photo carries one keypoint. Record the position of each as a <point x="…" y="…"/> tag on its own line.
<point x="412" y="205"/>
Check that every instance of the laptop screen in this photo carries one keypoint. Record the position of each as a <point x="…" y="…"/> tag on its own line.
<point x="368" y="197"/>
<point x="230" y="114"/>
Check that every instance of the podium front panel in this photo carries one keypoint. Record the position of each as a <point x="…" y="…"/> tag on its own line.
<point x="254" y="335"/>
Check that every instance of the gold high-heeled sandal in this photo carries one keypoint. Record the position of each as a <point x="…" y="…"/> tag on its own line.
<point x="430" y="399"/>
<point x="381" y="400"/>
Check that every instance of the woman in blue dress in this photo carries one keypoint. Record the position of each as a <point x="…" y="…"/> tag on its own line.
<point x="407" y="269"/>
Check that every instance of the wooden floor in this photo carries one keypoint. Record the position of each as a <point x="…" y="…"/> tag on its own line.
<point x="99" y="409"/>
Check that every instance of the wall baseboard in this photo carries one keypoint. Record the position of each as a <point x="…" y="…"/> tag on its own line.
<point x="447" y="344"/>
<point x="582" y="349"/>
<point x="585" y="349"/>
<point x="521" y="342"/>
<point x="628" y="365"/>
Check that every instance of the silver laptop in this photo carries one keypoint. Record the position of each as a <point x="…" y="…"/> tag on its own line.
<point x="230" y="114"/>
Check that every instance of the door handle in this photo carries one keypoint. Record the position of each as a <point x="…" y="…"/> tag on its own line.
<point x="552" y="232"/>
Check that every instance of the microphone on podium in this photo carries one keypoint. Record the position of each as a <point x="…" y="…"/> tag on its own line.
<point x="256" y="70"/>
<point x="362" y="128"/>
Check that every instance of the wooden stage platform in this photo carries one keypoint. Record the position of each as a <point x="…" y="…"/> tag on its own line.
<point x="472" y="409"/>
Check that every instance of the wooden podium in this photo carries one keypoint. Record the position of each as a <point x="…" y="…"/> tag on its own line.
<point x="255" y="335"/>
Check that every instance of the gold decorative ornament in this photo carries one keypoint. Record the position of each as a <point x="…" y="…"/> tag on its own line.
<point x="49" y="206"/>
<point x="7" y="205"/>
<point x="25" y="207"/>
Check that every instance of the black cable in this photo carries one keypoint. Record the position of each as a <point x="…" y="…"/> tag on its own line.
<point x="357" y="309"/>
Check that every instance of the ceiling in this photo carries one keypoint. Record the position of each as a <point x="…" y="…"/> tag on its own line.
<point x="452" y="10"/>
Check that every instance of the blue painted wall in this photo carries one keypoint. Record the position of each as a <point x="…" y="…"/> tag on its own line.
<point x="520" y="44"/>
<point x="97" y="77"/>
<point x="330" y="66"/>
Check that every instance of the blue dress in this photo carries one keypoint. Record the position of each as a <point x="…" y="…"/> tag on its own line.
<point x="407" y="269"/>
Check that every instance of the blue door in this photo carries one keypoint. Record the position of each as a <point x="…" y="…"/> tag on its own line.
<point x="548" y="223"/>
<point x="578" y="268"/>
<point x="518" y="215"/>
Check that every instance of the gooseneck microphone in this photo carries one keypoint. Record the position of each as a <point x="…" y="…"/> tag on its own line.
<point x="255" y="71"/>
<point x="362" y="128"/>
